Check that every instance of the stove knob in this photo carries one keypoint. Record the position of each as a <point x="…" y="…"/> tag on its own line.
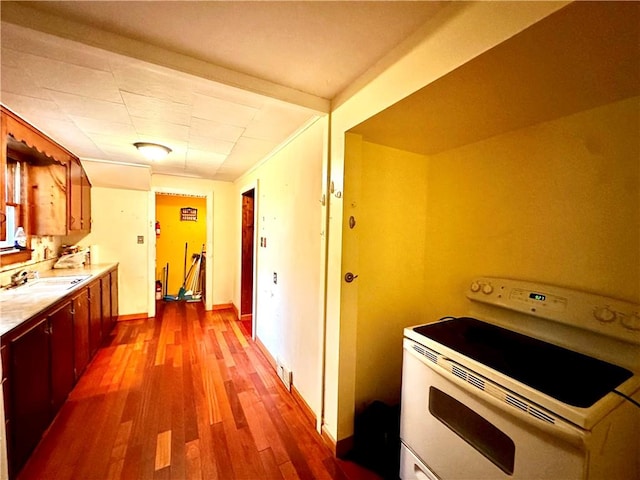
<point x="487" y="289"/>
<point x="604" y="314"/>
<point x="632" y="322"/>
<point x="475" y="287"/>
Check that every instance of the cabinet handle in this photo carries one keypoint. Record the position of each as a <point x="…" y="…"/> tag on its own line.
<point x="4" y="217"/>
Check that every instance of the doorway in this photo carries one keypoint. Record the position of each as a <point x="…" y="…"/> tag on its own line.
<point x="180" y="239"/>
<point x="246" y="275"/>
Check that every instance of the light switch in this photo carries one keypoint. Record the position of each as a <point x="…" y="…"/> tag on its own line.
<point x="140" y="238"/>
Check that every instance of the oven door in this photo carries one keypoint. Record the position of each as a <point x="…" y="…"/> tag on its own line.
<point x="458" y="431"/>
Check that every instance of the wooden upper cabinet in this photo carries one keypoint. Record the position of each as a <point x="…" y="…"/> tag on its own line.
<point x="86" y="202"/>
<point x="3" y="167"/>
<point x="58" y="189"/>
<point x="49" y="199"/>
<point x="79" y="198"/>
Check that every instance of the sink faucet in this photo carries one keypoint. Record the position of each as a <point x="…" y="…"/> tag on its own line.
<point x="19" y="277"/>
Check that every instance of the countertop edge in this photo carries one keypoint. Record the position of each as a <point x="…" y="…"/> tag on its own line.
<point x="12" y="320"/>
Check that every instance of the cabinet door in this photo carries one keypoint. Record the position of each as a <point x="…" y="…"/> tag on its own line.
<point x="95" y="315"/>
<point x="62" y="355"/>
<point x="105" y="284"/>
<point x="81" y="331"/>
<point x="114" y="297"/>
<point x="75" y="195"/>
<point x="86" y="202"/>
<point x="3" y="166"/>
<point x="49" y="199"/>
<point x="30" y="392"/>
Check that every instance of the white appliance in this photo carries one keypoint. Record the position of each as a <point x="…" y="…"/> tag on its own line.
<point x="540" y="382"/>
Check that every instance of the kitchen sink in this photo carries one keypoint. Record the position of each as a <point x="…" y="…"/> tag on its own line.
<point x="54" y="283"/>
<point x="47" y="285"/>
<point x="40" y="289"/>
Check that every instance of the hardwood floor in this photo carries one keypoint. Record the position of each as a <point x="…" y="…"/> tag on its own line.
<point x="187" y="395"/>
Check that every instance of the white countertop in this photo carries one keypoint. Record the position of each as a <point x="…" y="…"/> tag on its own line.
<point x="19" y="304"/>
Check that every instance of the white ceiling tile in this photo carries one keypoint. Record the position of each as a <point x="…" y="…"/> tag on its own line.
<point x="211" y="145"/>
<point x="55" y="48"/>
<point x="249" y="151"/>
<point x="75" y="79"/>
<point x="148" y="128"/>
<point x="275" y="122"/>
<point x="92" y="125"/>
<point x="231" y="94"/>
<point x="117" y="153"/>
<point x="30" y="108"/>
<point x="10" y="58"/>
<point x="157" y="109"/>
<point x="204" y="157"/>
<point x="15" y="81"/>
<point x="70" y="136"/>
<point x="210" y="108"/>
<point x="76" y="105"/>
<point x="216" y="130"/>
<point x="145" y="80"/>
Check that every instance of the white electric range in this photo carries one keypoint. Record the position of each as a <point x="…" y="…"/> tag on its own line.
<point x="536" y="382"/>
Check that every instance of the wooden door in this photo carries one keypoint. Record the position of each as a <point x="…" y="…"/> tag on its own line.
<point x="62" y="355"/>
<point x="246" y="293"/>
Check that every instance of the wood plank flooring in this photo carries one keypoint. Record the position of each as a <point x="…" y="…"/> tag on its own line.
<point x="187" y="395"/>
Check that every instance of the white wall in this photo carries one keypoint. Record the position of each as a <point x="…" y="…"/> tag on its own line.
<point x="119" y="216"/>
<point x="288" y="317"/>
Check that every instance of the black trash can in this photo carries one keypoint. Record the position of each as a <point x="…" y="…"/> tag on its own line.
<point x="376" y="440"/>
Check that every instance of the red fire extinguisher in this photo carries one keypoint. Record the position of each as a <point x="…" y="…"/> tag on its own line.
<point x="157" y="228"/>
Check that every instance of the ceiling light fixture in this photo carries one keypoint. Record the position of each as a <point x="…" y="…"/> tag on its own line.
<point x="152" y="151"/>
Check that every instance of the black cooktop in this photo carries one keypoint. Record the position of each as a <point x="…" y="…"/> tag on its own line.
<point x="565" y="375"/>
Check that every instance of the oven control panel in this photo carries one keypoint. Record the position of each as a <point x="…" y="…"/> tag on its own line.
<point x="607" y="316"/>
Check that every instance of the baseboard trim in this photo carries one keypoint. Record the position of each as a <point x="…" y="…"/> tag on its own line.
<point x="267" y="355"/>
<point x="223" y="306"/>
<point x="132" y="316"/>
<point x="340" y="448"/>
<point x="304" y="406"/>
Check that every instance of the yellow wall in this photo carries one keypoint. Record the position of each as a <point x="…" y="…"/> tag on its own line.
<point x="170" y="244"/>
<point x="455" y="35"/>
<point x="557" y="203"/>
<point x="391" y="230"/>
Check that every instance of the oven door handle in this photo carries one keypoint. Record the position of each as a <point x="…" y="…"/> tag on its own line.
<point x="508" y="402"/>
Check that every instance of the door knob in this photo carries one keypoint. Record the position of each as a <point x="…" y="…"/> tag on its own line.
<point x="349" y="277"/>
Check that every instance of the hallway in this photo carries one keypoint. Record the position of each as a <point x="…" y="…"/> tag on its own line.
<point x="185" y="396"/>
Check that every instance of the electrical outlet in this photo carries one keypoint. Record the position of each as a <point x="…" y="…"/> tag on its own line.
<point x="284" y="374"/>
